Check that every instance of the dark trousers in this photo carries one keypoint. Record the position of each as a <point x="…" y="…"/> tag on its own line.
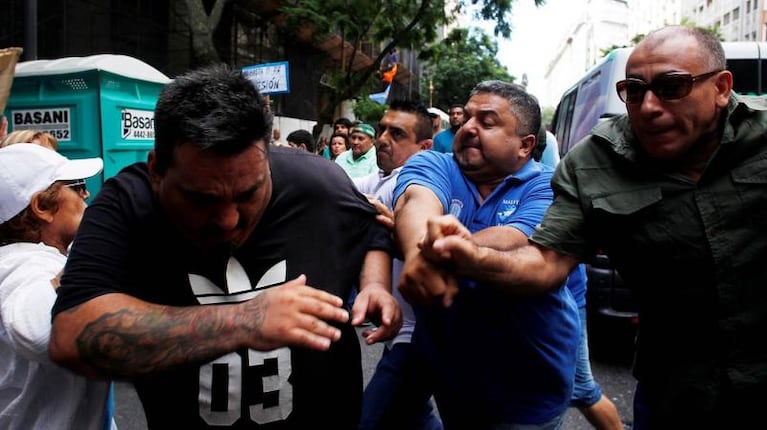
<point x="398" y="394"/>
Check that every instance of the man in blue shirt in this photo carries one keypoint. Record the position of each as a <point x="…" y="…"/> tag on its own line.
<point x="443" y="141"/>
<point x="674" y="193"/>
<point x="498" y="359"/>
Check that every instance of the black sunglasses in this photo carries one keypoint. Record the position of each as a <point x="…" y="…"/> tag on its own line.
<point x="670" y="86"/>
<point x="77" y="185"/>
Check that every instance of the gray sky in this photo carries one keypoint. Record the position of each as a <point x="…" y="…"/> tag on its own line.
<point x="535" y="36"/>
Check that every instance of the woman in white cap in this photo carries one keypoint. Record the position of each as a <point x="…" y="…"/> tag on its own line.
<point x="42" y="199"/>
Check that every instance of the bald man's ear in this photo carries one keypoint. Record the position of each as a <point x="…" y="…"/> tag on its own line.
<point x="528" y="144"/>
<point x="723" y="88"/>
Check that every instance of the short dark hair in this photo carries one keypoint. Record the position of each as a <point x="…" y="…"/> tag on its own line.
<point x="301" y="136"/>
<point x="423" y="127"/>
<point x="215" y="108"/>
<point x="343" y="121"/>
<point x="524" y="106"/>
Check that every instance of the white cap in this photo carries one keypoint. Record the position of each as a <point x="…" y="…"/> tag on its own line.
<point x="438" y="112"/>
<point x="27" y="168"/>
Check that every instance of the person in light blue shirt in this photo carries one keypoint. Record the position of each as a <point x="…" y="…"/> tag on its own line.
<point x="550" y="156"/>
<point x="443" y="141"/>
<point x="498" y="359"/>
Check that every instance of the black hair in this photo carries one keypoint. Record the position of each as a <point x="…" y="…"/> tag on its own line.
<point x="344" y="121"/>
<point x="524" y="106"/>
<point x="423" y="127"/>
<point x="214" y="108"/>
<point x="301" y="136"/>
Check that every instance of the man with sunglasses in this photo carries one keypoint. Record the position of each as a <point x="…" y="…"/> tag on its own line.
<point x="676" y="193"/>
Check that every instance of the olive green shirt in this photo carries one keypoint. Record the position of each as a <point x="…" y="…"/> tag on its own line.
<point x="695" y="254"/>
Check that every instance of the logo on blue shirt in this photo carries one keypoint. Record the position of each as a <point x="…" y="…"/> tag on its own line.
<point x="506" y="210"/>
<point x="455" y="208"/>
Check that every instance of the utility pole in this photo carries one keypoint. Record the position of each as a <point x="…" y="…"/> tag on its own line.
<point x="431" y="90"/>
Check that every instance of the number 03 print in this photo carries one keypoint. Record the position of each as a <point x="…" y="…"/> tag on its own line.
<point x="222" y="386"/>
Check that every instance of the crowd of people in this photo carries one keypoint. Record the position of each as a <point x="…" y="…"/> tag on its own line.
<point x="226" y="276"/>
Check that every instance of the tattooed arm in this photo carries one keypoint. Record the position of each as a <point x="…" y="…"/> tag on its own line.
<point x="118" y="336"/>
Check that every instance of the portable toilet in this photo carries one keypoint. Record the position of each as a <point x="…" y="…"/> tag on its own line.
<point x="96" y="106"/>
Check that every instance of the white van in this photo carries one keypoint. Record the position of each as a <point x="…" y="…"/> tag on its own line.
<point x="594" y="97"/>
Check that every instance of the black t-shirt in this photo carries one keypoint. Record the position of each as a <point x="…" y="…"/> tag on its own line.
<point x="316" y="224"/>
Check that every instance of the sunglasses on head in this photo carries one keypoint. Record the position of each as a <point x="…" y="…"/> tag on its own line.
<point x="77" y="185"/>
<point x="669" y="86"/>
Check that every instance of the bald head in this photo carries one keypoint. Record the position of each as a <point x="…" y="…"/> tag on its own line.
<point x="708" y="50"/>
<point x="676" y="90"/>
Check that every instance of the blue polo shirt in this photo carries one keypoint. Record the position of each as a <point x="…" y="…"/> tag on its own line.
<point x="509" y="358"/>
<point x="443" y="141"/>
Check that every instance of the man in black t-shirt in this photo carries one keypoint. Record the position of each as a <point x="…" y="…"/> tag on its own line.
<point x="212" y="275"/>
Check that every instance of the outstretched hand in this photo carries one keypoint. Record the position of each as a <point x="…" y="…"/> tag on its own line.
<point x="295" y="314"/>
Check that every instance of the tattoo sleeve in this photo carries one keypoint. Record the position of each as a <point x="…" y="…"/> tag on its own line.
<point x="132" y="342"/>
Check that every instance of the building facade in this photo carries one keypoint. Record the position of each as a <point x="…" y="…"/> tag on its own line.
<point x="610" y="23"/>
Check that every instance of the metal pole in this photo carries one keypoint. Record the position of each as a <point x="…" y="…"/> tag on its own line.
<point x="30" y="30"/>
<point x="431" y="90"/>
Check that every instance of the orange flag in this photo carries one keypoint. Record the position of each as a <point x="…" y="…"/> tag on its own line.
<point x="388" y="76"/>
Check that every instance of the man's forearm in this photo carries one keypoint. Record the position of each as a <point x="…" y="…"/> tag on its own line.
<point x="415" y="206"/>
<point x="136" y="340"/>
<point x="376" y="270"/>
<point x="523" y="270"/>
<point x="500" y="238"/>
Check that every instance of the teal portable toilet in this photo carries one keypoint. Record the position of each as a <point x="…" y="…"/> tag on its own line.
<point x="96" y="106"/>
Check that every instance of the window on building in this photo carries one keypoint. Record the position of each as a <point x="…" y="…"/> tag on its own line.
<point x="735" y="13"/>
<point x="748" y="6"/>
<point x="726" y="19"/>
<point x="700" y="9"/>
<point x="753" y="35"/>
<point x="756" y="4"/>
<point x="708" y="3"/>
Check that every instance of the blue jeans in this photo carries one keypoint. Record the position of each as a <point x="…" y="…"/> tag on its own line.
<point x="398" y="396"/>
<point x="586" y="391"/>
<point x="463" y="421"/>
